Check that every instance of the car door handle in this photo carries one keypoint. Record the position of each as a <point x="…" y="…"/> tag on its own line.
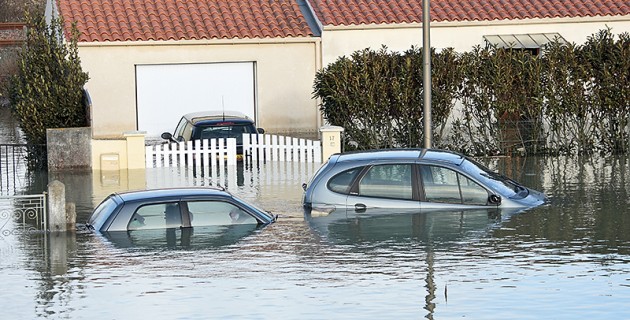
<point x="359" y="207"/>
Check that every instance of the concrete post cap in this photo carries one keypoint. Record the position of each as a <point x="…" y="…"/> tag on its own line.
<point x="331" y="129"/>
<point x="134" y="133"/>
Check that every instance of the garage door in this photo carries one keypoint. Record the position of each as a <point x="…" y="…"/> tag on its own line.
<point x="166" y="92"/>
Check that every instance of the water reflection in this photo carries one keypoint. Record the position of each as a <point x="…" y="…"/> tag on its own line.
<point x="566" y="260"/>
<point x="388" y="230"/>
<point x="198" y="238"/>
<point x="440" y="227"/>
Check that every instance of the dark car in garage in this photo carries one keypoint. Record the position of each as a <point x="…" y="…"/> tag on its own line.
<point x="213" y="125"/>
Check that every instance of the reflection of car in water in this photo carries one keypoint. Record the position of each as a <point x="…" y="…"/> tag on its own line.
<point x="182" y="238"/>
<point x="377" y="225"/>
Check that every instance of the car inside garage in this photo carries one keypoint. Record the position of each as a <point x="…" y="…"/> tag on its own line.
<point x="165" y="92"/>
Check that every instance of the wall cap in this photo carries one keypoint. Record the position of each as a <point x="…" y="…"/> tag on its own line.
<point x="331" y="129"/>
<point x="134" y="134"/>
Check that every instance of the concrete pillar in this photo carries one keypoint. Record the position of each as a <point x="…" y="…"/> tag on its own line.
<point x="135" y="149"/>
<point x="331" y="140"/>
<point x="57" y="218"/>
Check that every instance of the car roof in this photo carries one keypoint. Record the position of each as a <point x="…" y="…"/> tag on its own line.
<point x="435" y="155"/>
<point x="171" y="192"/>
<point x="209" y="116"/>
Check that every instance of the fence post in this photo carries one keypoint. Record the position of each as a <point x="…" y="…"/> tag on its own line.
<point x="57" y="220"/>
<point x="136" y="157"/>
<point x="331" y="140"/>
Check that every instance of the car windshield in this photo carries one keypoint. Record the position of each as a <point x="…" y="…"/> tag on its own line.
<point x="502" y="184"/>
<point x="102" y="212"/>
<point x="269" y="214"/>
<point x="232" y="130"/>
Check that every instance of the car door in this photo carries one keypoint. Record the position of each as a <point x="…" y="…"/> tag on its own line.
<point x="385" y="185"/>
<point x="443" y="187"/>
<point x="217" y="212"/>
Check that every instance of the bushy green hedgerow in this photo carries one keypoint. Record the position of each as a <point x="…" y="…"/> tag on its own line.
<point x="567" y="99"/>
<point x="377" y="96"/>
<point x="47" y="91"/>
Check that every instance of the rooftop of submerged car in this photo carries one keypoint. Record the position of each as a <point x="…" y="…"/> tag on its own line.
<point x="402" y="154"/>
<point x="171" y="192"/>
<point x="208" y="117"/>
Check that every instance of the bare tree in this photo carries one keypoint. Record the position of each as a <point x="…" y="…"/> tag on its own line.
<point x="13" y="10"/>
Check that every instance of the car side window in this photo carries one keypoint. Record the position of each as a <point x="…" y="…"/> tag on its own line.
<point x="445" y="185"/>
<point x="472" y="193"/>
<point x="215" y="212"/>
<point x="342" y="182"/>
<point x="186" y="133"/>
<point x="387" y="181"/>
<point x="156" y="216"/>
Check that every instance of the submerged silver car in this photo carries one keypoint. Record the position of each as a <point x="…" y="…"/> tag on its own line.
<point x="412" y="179"/>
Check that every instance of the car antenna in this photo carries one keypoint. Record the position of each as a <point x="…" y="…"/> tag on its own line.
<point x="223" y="107"/>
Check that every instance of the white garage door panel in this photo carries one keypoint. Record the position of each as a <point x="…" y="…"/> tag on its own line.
<point x="166" y="92"/>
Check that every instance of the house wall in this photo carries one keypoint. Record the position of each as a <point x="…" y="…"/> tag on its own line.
<point x="462" y="36"/>
<point x="284" y="77"/>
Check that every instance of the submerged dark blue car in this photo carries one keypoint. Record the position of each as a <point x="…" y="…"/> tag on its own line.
<point x="188" y="207"/>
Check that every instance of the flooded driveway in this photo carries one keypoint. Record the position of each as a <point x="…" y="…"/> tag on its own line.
<point x="567" y="260"/>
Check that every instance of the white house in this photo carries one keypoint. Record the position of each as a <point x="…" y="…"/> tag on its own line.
<point x="151" y="61"/>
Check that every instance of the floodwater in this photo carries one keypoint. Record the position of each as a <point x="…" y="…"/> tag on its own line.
<point x="569" y="259"/>
<point x="566" y="260"/>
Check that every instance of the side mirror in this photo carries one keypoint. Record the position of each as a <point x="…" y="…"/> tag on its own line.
<point x="167" y="136"/>
<point x="494" y="199"/>
<point x="260" y="130"/>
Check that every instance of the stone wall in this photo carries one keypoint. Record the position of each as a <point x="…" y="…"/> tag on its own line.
<point x="69" y="148"/>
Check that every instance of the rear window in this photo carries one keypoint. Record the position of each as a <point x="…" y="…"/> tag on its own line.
<point x="343" y="181"/>
<point x="225" y="131"/>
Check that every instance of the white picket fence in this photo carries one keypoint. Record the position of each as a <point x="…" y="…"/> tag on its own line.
<point x="265" y="147"/>
<point x="221" y="152"/>
<point x="198" y="153"/>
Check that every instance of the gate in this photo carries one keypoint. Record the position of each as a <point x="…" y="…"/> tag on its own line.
<point x="265" y="147"/>
<point x="192" y="154"/>
<point x="16" y="160"/>
<point x="22" y="213"/>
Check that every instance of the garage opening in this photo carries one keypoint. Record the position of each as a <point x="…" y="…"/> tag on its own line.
<point x="165" y="92"/>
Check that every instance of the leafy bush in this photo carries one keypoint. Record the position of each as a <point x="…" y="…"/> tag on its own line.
<point x="377" y="96"/>
<point x="570" y="99"/>
<point x="501" y="101"/>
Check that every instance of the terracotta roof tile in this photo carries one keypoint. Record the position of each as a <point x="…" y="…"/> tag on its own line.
<point x="357" y="12"/>
<point x="138" y="20"/>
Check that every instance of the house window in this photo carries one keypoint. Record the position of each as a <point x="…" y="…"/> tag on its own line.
<point x="530" y="42"/>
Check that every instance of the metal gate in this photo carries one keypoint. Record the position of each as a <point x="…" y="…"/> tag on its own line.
<point x="23" y="213"/>
<point x="17" y="161"/>
<point x="19" y="213"/>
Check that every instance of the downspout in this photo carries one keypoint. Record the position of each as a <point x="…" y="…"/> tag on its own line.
<point x="316" y="28"/>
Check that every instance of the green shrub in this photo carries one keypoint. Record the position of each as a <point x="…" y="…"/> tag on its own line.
<point x="570" y="99"/>
<point x="377" y="96"/>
